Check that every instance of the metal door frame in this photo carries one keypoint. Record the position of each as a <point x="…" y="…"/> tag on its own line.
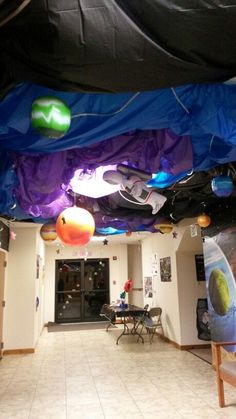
<point x="82" y="289"/>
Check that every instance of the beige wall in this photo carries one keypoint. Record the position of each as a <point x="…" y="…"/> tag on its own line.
<point x="23" y="324"/>
<point x="39" y="288"/>
<point x="3" y="257"/>
<point x="118" y="269"/>
<point x="189" y="289"/>
<point x="165" y="294"/>
<point x="135" y="272"/>
<point x="177" y="298"/>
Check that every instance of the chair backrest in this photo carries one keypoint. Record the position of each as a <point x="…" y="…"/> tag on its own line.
<point x="155" y="312"/>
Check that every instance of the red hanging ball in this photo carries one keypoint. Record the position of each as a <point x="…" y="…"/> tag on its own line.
<point x="128" y="285"/>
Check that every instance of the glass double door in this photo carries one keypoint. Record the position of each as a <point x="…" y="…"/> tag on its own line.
<point x="82" y="287"/>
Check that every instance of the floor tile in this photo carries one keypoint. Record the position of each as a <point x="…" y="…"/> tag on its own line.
<point x="85" y="375"/>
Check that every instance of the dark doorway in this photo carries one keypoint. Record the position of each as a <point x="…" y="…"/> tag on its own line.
<point x="82" y="287"/>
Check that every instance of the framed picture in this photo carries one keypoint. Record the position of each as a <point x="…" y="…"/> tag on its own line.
<point x="200" y="268"/>
<point x="148" y="290"/>
<point x="165" y="268"/>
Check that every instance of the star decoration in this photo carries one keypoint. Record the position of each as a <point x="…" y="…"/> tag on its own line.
<point x="105" y="242"/>
<point x="175" y="235"/>
<point x="12" y="235"/>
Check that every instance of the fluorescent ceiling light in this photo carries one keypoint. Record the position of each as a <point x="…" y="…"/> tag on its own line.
<point x="97" y="238"/>
<point x="90" y="182"/>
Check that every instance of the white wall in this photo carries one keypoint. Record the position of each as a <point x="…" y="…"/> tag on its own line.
<point x="118" y="269"/>
<point x="19" y="316"/>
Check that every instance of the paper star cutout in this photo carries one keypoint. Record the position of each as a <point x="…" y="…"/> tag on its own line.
<point x="105" y="242"/>
<point x="12" y="235"/>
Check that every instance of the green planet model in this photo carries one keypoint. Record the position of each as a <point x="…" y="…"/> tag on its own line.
<point x="219" y="292"/>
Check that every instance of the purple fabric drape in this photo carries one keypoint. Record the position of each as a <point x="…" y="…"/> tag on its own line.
<point x="43" y="179"/>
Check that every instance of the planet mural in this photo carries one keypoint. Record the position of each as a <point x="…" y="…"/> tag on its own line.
<point x="219" y="292"/>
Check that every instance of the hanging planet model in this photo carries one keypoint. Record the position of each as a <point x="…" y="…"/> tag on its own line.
<point x="75" y="226"/>
<point x="51" y="117"/>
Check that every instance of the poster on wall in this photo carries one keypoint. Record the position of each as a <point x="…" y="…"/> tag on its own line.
<point x="155" y="264"/>
<point x="165" y="269"/>
<point x="193" y="230"/>
<point x="200" y="268"/>
<point x="220" y="270"/>
<point x="148" y="289"/>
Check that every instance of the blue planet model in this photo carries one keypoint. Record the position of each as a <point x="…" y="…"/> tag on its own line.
<point x="222" y="186"/>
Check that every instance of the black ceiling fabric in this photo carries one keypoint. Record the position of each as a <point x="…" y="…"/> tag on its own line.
<point x="188" y="198"/>
<point x="10" y="9"/>
<point x="119" y="45"/>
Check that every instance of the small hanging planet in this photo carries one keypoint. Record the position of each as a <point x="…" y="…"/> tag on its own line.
<point x="48" y="232"/>
<point x="203" y="220"/>
<point x="222" y="186"/>
<point x="51" y="117"/>
<point x="164" y="228"/>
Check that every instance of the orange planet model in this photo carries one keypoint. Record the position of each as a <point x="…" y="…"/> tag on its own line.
<point x="48" y="232"/>
<point x="75" y="226"/>
<point x="203" y="220"/>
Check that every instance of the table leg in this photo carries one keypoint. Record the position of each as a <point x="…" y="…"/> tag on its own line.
<point x="109" y="325"/>
<point x="123" y="332"/>
<point x="133" y="331"/>
<point x="139" y="336"/>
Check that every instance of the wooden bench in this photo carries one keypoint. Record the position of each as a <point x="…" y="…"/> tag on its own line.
<point x="225" y="370"/>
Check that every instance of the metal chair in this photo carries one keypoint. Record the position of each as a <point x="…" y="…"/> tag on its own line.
<point x="109" y="315"/>
<point x="152" y="322"/>
<point x="140" y="319"/>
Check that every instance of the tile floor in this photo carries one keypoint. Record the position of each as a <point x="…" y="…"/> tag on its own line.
<point x="84" y="374"/>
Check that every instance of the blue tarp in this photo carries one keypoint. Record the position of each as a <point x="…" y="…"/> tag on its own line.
<point x="198" y="110"/>
<point x="205" y="112"/>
